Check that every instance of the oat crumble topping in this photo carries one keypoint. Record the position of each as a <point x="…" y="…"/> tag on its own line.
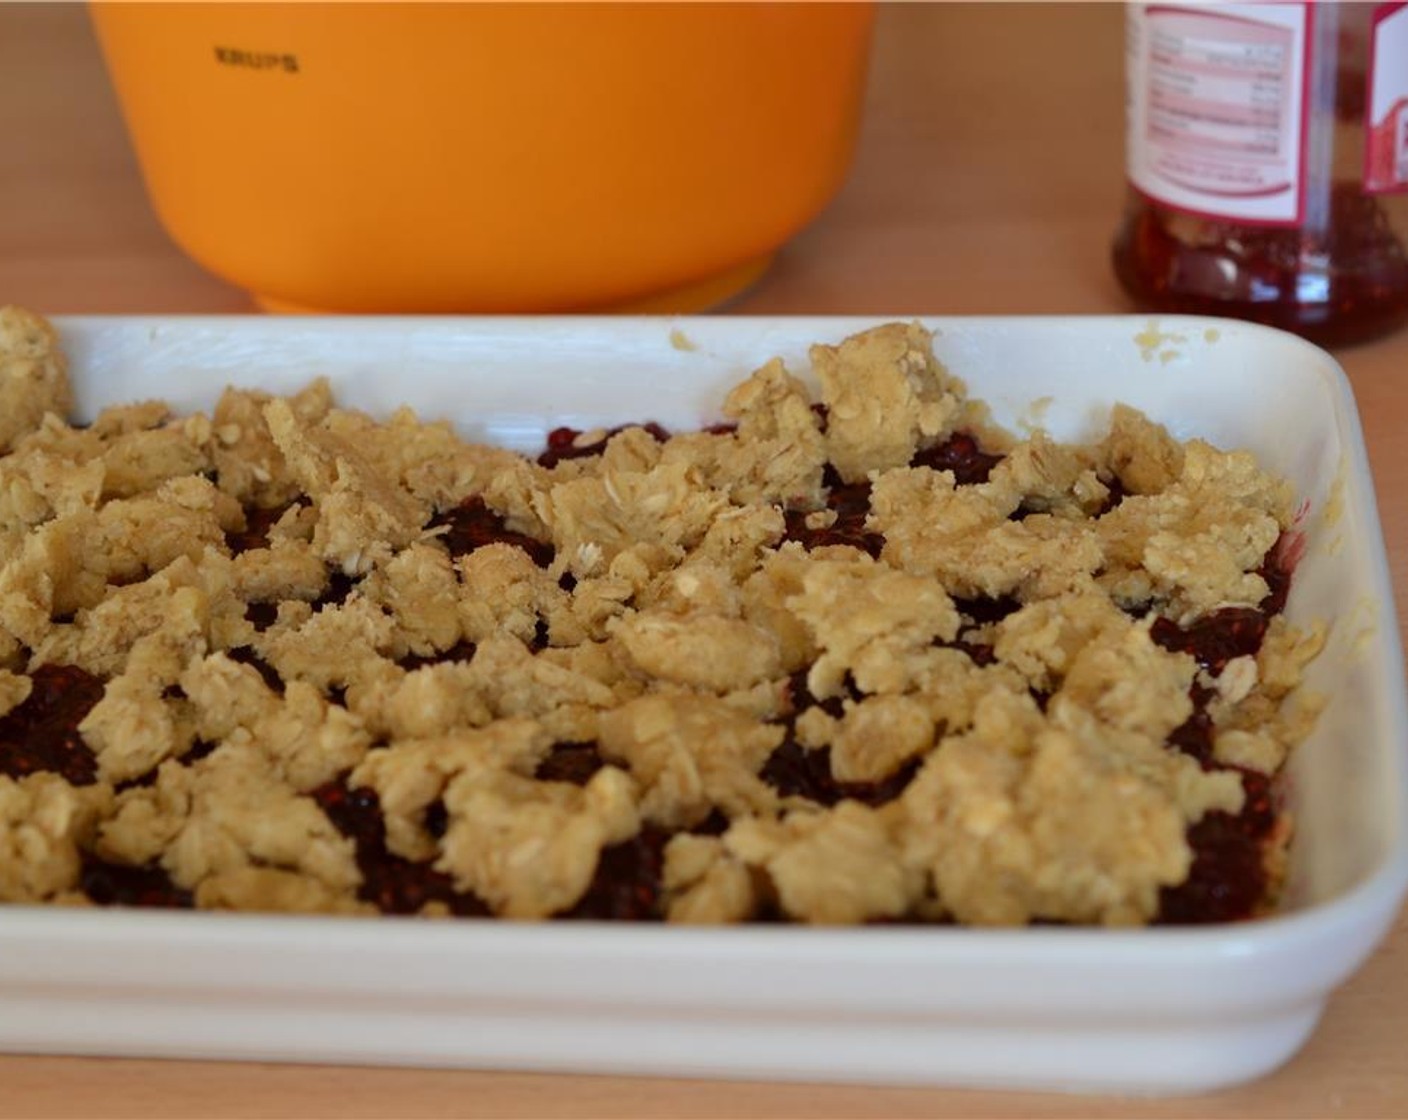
<point x="847" y="659"/>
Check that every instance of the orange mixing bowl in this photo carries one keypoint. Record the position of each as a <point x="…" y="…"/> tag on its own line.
<point x="488" y="157"/>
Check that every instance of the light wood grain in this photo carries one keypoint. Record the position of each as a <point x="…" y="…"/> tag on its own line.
<point x="988" y="180"/>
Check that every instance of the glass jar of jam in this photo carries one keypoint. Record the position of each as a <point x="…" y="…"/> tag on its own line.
<point x="1268" y="164"/>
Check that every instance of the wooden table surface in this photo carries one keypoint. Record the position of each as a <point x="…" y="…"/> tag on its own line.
<point x="988" y="180"/>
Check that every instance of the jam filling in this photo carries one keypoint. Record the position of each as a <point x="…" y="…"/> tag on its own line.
<point x="851" y="505"/>
<point x="570" y="762"/>
<point x="460" y="651"/>
<point x="1276" y="570"/>
<point x="627" y="882"/>
<point x="112" y="884"/>
<point x="562" y="443"/>
<point x="1227" y="880"/>
<point x="390" y="883"/>
<point x="261" y="615"/>
<point x="715" y="824"/>
<point x="984" y="611"/>
<point x="1216" y="638"/>
<point x="437" y="819"/>
<point x="41" y="734"/>
<point x="1117" y="494"/>
<point x="850" y="501"/>
<point x="258" y="521"/>
<point x="793" y="770"/>
<point x="1194" y="735"/>
<point x="980" y="653"/>
<point x="472" y="524"/>
<point x="339" y="587"/>
<point x="246" y="656"/>
<point x="1228" y="877"/>
<point x="800" y="698"/>
<point x="978" y="612"/>
<point x="960" y="454"/>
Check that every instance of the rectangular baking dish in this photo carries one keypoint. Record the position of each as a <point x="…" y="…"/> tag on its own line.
<point x="1161" y="1010"/>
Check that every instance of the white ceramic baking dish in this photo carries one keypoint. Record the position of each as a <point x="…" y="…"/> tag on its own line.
<point x="1158" y="1010"/>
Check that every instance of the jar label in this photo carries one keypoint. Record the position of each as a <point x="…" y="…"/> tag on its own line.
<point x="1386" y="125"/>
<point x="1216" y="108"/>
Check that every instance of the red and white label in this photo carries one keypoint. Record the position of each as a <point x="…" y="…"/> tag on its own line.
<point x="1386" y="128"/>
<point x="1216" y="108"/>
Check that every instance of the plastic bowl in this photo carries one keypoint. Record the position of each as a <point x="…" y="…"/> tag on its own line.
<point x="488" y="157"/>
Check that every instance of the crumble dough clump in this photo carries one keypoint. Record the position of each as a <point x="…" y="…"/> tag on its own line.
<point x="828" y="662"/>
<point x="1069" y="819"/>
<point x="33" y="375"/>
<point x="886" y="394"/>
<point x="44" y="824"/>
